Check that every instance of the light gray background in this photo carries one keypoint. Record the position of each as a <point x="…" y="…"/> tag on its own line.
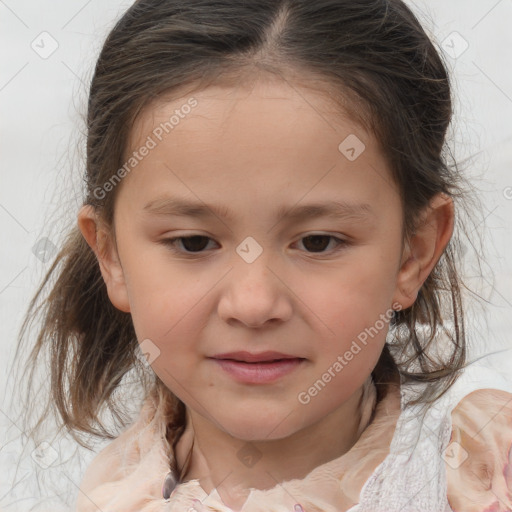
<point x="42" y="101"/>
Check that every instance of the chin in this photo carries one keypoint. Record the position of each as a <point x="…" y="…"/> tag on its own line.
<point x="260" y="429"/>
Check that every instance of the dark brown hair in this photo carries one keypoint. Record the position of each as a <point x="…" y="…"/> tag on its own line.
<point x="372" y="58"/>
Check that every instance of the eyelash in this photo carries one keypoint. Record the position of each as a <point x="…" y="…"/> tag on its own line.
<point x="170" y="243"/>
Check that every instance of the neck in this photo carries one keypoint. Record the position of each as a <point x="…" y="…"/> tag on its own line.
<point x="235" y="466"/>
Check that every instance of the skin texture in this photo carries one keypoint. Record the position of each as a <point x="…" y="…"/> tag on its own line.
<point x="255" y="150"/>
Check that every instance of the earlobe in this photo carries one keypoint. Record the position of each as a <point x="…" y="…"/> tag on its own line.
<point x="423" y="250"/>
<point x="99" y="238"/>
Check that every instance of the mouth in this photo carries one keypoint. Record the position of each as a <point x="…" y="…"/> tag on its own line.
<point x="258" y="358"/>
<point x="258" y="372"/>
<point x="270" y="361"/>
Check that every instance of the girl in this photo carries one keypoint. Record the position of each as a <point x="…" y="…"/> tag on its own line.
<point x="225" y="141"/>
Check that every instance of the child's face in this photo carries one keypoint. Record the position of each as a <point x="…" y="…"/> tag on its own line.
<point x="254" y="153"/>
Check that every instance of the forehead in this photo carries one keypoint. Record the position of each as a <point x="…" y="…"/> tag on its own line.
<point x="268" y="139"/>
<point x="269" y="100"/>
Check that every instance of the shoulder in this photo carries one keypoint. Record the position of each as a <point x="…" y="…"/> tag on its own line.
<point x="103" y="468"/>
<point x="113" y="469"/>
<point x="479" y="455"/>
<point x="106" y="470"/>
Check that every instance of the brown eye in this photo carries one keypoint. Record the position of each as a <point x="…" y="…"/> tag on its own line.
<point x="190" y="244"/>
<point x="318" y="243"/>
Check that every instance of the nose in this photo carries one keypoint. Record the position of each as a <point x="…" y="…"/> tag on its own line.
<point x="254" y="295"/>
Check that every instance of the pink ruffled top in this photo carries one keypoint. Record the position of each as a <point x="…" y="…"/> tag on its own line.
<point x="127" y="475"/>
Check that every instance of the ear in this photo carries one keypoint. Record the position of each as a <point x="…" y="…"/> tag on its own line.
<point x="422" y="252"/>
<point x="99" y="238"/>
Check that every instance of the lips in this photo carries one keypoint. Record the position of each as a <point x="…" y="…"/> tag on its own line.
<point x="265" y="370"/>
<point x="260" y="357"/>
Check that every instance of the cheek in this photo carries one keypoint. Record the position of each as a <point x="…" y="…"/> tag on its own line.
<point x="352" y="309"/>
<point x="350" y="298"/>
<point x="173" y="323"/>
<point x="164" y="299"/>
<point x="162" y="313"/>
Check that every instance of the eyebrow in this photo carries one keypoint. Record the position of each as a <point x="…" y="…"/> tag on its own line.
<point x="174" y="206"/>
